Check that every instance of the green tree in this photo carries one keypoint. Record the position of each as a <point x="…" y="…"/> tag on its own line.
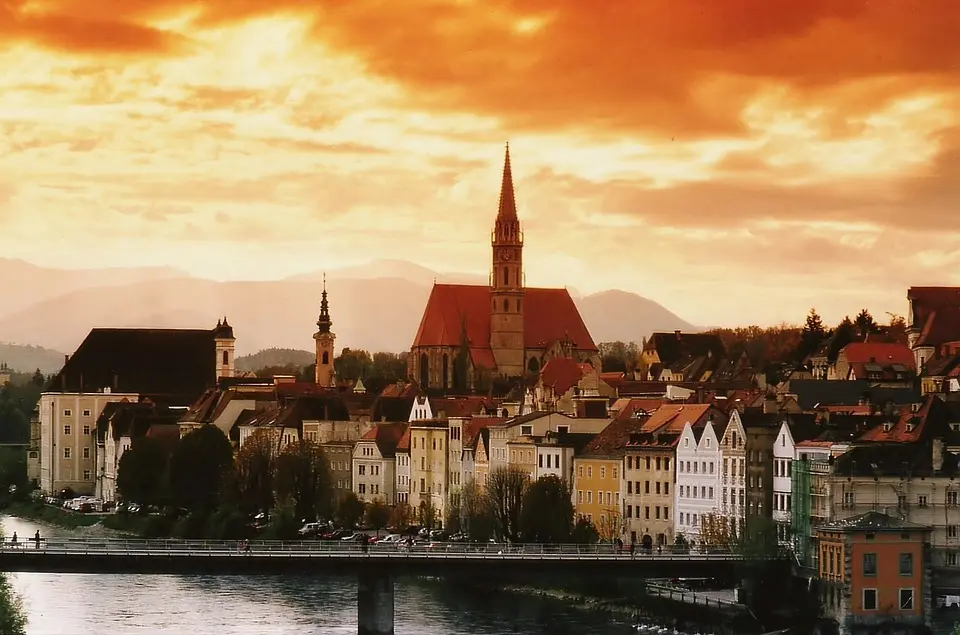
<point x="303" y="478"/>
<point x="13" y="467"/>
<point x="256" y="468"/>
<point x="897" y="329"/>
<point x="427" y="513"/>
<point x="812" y="335"/>
<point x="476" y="519"/>
<point x="845" y="333"/>
<point x="864" y="323"/>
<point x="547" y="511"/>
<point x="353" y="364"/>
<point x="505" y="489"/>
<point x="584" y="532"/>
<point x="141" y="474"/>
<point x="198" y="467"/>
<point x="619" y="356"/>
<point x="38" y="379"/>
<point x="452" y="516"/>
<point x="349" y="510"/>
<point x="401" y="517"/>
<point x="13" y="617"/>
<point x="377" y="515"/>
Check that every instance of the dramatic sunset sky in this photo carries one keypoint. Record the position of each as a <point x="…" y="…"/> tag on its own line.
<point x="736" y="160"/>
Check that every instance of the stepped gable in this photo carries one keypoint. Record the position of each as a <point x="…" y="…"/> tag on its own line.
<point x="179" y="364"/>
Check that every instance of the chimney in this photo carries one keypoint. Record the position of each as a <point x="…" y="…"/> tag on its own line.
<point x="677" y="333"/>
<point x="937" y="455"/>
<point x="66" y="358"/>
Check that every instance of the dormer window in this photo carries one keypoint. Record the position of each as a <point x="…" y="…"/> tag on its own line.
<point x="887" y="427"/>
<point x="686" y="443"/>
<point x="909" y="427"/>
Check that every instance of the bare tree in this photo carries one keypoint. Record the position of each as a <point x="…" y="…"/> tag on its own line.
<point x="256" y="465"/>
<point x="303" y="477"/>
<point x="505" y="489"/>
<point x="610" y="525"/>
<point x="476" y="521"/>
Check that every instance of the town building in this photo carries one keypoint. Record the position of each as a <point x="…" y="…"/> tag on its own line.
<point x="169" y="366"/>
<point x="374" y="463"/>
<point x="698" y="483"/>
<point x="874" y="573"/>
<point x="470" y="334"/>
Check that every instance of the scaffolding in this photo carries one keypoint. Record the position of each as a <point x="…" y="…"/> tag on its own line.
<point x="801" y="511"/>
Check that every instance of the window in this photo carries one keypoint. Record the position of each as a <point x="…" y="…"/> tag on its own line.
<point x="906" y="599"/>
<point x="906" y="564"/>
<point x="953" y="499"/>
<point x="86" y="413"/>
<point x="870" y="564"/>
<point x="86" y="453"/>
<point x="526" y="430"/>
<point x="579" y="471"/>
<point x="579" y="496"/>
<point x="67" y="430"/>
<point x="86" y="475"/>
<point x="869" y="599"/>
<point x="603" y="472"/>
<point x="921" y="500"/>
<point x="66" y="453"/>
<point x="86" y="429"/>
<point x="67" y="412"/>
<point x="666" y="463"/>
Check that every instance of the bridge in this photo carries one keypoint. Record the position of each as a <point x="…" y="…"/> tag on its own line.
<point x="376" y="566"/>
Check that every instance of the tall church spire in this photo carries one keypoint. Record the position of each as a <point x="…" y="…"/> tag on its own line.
<point x="324" y="322"/>
<point x="508" y="203"/>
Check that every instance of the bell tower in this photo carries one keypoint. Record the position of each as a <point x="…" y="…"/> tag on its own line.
<point x="225" y="345"/>
<point x="325" y="339"/>
<point x="507" y="281"/>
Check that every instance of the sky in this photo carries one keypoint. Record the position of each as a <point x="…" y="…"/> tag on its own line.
<point x="737" y="161"/>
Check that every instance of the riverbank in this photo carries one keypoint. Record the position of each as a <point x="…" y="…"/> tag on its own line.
<point x="40" y="512"/>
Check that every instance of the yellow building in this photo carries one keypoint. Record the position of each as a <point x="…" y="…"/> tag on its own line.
<point x="598" y="478"/>
<point x="429" y="473"/>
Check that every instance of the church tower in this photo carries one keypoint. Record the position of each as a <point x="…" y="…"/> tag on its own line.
<point x="506" y="282"/>
<point x="325" y="375"/>
<point x="225" y="345"/>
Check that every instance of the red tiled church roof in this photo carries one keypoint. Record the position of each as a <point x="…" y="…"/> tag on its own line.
<point x="550" y="315"/>
<point x="561" y="374"/>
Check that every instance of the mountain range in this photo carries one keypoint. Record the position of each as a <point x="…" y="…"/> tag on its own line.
<point x="375" y="306"/>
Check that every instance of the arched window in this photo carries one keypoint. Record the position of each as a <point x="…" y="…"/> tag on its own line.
<point x="506" y="306"/>
<point x="226" y="358"/>
<point x="506" y="275"/>
<point x="325" y="359"/>
<point x="424" y="371"/>
<point x="533" y="365"/>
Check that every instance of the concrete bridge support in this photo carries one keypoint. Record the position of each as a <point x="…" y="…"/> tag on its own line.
<point x="375" y="603"/>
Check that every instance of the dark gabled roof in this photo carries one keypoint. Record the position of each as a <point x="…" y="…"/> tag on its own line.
<point x="803" y="427"/>
<point x="612" y="440"/>
<point x="873" y="521"/>
<point x="173" y="362"/>
<point x="391" y="409"/>
<point x="671" y="347"/>
<point x="911" y="460"/>
<point x="135" y="420"/>
<point x="386" y="436"/>
<point x="824" y="392"/>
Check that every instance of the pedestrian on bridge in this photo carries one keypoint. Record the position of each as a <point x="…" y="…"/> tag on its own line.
<point x="633" y="549"/>
<point x="13" y="540"/>
<point x="36" y="538"/>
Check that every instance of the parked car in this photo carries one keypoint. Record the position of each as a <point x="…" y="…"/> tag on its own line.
<point x="310" y="530"/>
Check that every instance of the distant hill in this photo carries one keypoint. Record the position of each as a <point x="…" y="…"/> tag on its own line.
<point x="26" y="359"/>
<point x="380" y="313"/>
<point x="274" y="357"/>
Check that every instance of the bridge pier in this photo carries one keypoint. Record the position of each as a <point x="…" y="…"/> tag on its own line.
<point x="374" y="603"/>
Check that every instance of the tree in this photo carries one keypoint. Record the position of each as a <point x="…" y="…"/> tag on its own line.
<point x="584" y="532"/>
<point x="349" y="510"/>
<point x="38" y="379"/>
<point x="897" y="329"/>
<point x="13" y="617"/>
<point x="427" y="513"/>
<point x="141" y="473"/>
<point x="547" y="512"/>
<point x="198" y="466"/>
<point x="505" y="489"/>
<point x="476" y="520"/>
<point x="401" y="517"/>
<point x="377" y="515"/>
<point x="303" y="478"/>
<point x="256" y="467"/>
<point x="353" y="364"/>
<point x="717" y="531"/>
<point x="845" y="333"/>
<point x="452" y="516"/>
<point x="619" y="356"/>
<point x="811" y="336"/>
<point x="610" y="525"/>
<point x="13" y="467"/>
<point x="864" y="323"/>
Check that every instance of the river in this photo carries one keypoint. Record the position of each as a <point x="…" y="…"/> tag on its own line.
<point x="97" y="604"/>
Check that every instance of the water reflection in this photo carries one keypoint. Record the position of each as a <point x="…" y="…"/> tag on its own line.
<point x="68" y="604"/>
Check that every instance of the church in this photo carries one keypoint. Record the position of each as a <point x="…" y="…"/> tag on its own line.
<point x="504" y="329"/>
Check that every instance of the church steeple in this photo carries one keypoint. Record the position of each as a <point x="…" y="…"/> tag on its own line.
<point x="325" y="374"/>
<point x="508" y="202"/>
<point x="324" y="322"/>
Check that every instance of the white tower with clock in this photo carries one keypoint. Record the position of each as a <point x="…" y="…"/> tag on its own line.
<point x="507" y="283"/>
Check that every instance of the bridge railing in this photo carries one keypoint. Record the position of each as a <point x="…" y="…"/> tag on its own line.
<point x="308" y="548"/>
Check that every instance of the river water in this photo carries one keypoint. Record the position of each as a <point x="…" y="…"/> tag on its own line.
<point x="98" y="604"/>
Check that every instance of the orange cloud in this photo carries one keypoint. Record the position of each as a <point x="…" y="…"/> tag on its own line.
<point x="666" y="146"/>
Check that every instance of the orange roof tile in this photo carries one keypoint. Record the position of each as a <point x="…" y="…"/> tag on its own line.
<point x="561" y="374"/>
<point x="670" y="418"/>
<point x="880" y="353"/>
<point x="550" y="315"/>
<point x="403" y="445"/>
<point x="932" y="418"/>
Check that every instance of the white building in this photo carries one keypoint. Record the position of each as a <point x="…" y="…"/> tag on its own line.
<point x="733" y="471"/>
<point x="699" y="484"/>
<point x="374" y="463"/>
